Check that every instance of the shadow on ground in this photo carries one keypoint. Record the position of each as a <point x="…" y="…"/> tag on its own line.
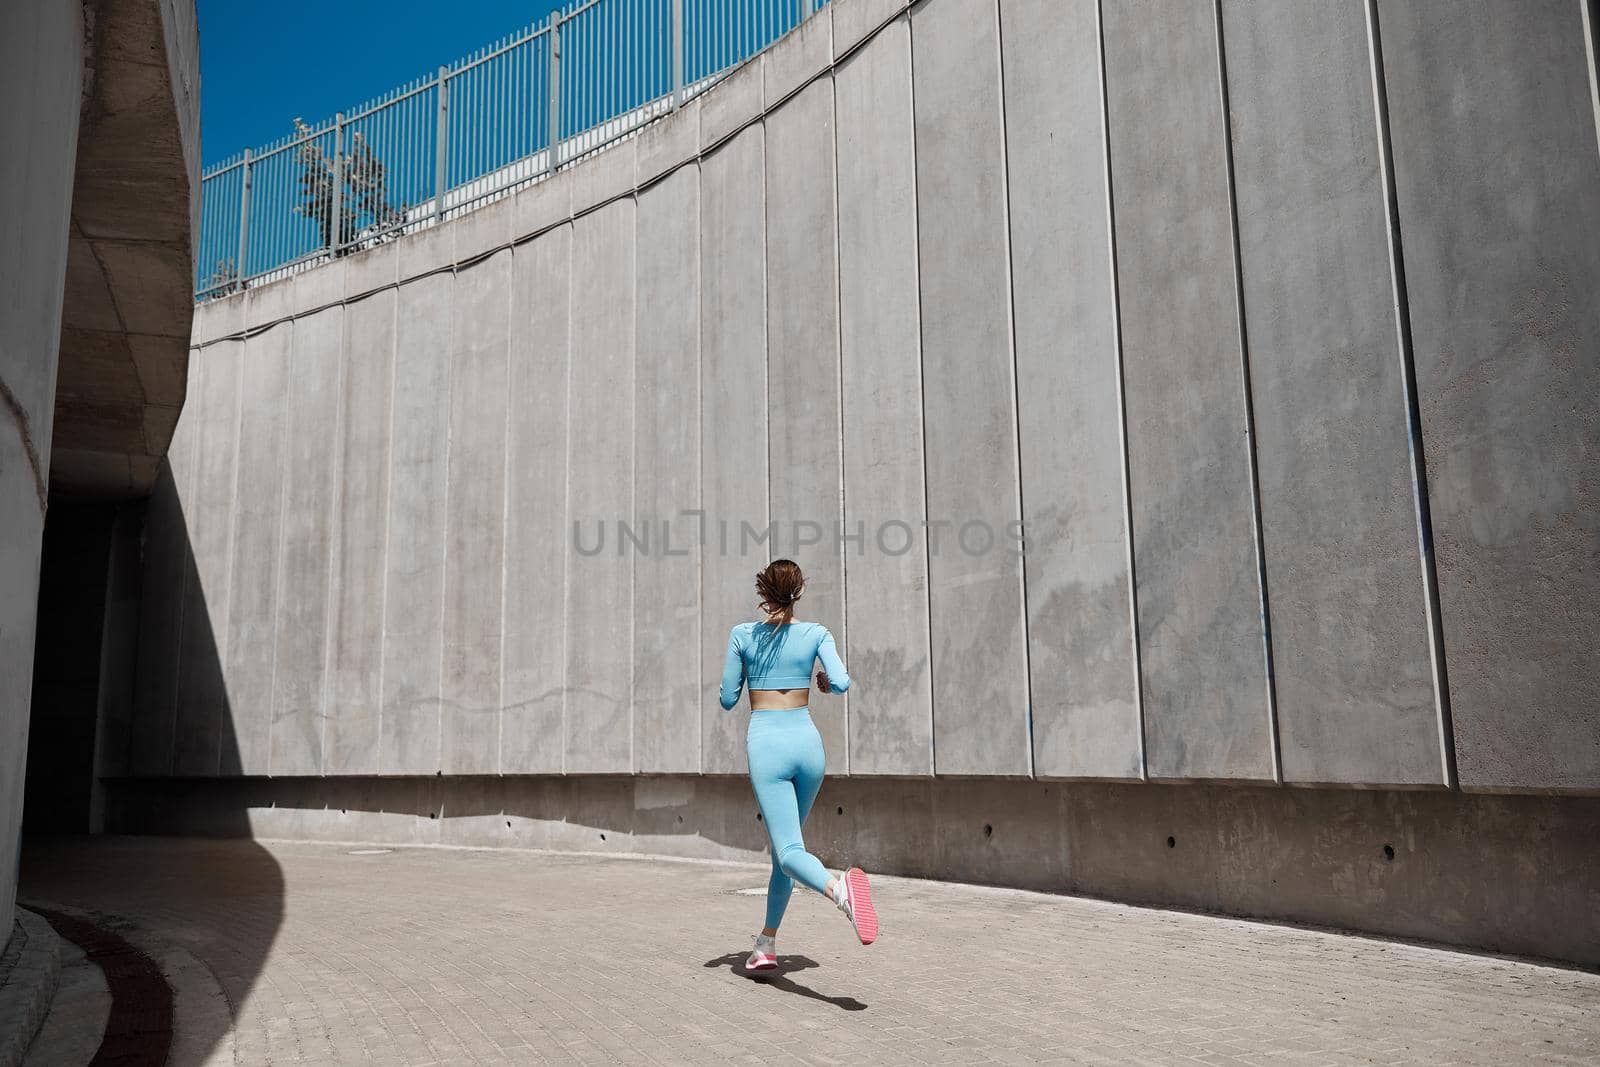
<point x="779" y="979"/>
<point x="96" y="598"/>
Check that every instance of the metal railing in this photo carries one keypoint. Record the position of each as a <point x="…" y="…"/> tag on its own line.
<point x="509" y="114"/>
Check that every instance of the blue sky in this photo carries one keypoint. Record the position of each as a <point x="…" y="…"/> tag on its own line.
<point x="262" y="64"/>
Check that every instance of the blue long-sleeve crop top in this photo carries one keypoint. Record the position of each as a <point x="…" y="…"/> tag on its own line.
<point x="768" y="656"/>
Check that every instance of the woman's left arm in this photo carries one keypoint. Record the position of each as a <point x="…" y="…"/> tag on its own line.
<point x="833" y="678"/>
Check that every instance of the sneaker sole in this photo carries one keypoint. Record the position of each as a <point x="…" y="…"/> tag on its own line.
<point x="770" y="965"/>
<point x="862" y="913"/>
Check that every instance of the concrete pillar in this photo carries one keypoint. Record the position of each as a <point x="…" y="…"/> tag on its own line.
<point x="41" y="66"/>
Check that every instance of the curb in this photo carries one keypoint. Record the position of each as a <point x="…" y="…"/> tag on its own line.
<point x="30" y="970"/>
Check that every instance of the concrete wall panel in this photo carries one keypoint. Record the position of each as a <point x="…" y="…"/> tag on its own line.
<point x="414" y="603"/>
<point x="1069" y="402"/>
<point x="1349" y="616"/>
<point x="854" y="19"/>
<point x="474" y="554"/>
<point x="485" y="227"/>
<point x="426" y="250"/>
<point x="980" y="670"/>
<point x="166" y="561"/>
<point x="599" y="598"/>
<point x="606" y="175"/>
<point x="666" y="457"/>
<point x="891" y="706"/>
<point x="733" y="433"/>
<point x="543" y="204"/>
<point x="371" y="270"/>
<point x="1206" y="703"/>
<point x="298" y="716"/>
<point x="803" y="370"/>
<point x="202" y="701"/>
<point x="538" y="546"/>
<point x="797" y="56"/>
<point x="669" y="142"/>
<point x="357" y="558"/>
<point x="1498" y="179"/>
<point x="734" y="101"/>
<point x="257" y="508"/>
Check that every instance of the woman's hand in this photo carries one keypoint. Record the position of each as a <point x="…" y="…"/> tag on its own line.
<point x="822" y="682"/>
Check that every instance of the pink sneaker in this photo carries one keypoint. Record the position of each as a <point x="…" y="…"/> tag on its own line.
<point x="765" y="957"/>
<point x="857" y="905"/>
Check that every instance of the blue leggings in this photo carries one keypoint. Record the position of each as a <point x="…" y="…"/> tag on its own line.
<point x="786" y="766"/>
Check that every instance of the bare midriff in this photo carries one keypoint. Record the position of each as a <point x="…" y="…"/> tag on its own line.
<point x="779" y="699"/>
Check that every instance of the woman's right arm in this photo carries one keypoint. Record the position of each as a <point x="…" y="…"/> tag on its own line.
<point x="732" y="673"/>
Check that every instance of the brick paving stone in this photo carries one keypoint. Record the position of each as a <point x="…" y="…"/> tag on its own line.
<point x="424" y="956"/>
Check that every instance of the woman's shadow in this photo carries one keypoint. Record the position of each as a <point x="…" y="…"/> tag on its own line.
<point x="779" y="978"/>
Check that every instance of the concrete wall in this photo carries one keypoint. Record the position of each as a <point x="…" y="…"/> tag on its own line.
<point x="1436" y="866"/>
<point x="1219" y="300"/>
<point x="41" y="73"/>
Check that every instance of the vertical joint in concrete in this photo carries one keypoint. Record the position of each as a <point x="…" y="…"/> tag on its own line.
<point x="1122" y="402"/>
<point x="922" y="380"/>
<point x="1408" y="374"/>
<point x="1016" y="405"/>
<point x="1249" y="406"/>
<point x="1590" y="10"/>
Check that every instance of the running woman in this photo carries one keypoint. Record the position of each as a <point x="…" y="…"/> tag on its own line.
<point x="774" y="659"/>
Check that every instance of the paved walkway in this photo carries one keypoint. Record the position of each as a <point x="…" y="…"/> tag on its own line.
<point x="342" y="954"/>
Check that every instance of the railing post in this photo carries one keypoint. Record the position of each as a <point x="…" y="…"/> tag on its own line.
<point x="553" y="137"/>
<point x="807" y="9"/>
<point x="441" y="144"/>
<point x="677" y="53"/>
<point x="244" y="223"/>
<point x="336" y="220"/>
